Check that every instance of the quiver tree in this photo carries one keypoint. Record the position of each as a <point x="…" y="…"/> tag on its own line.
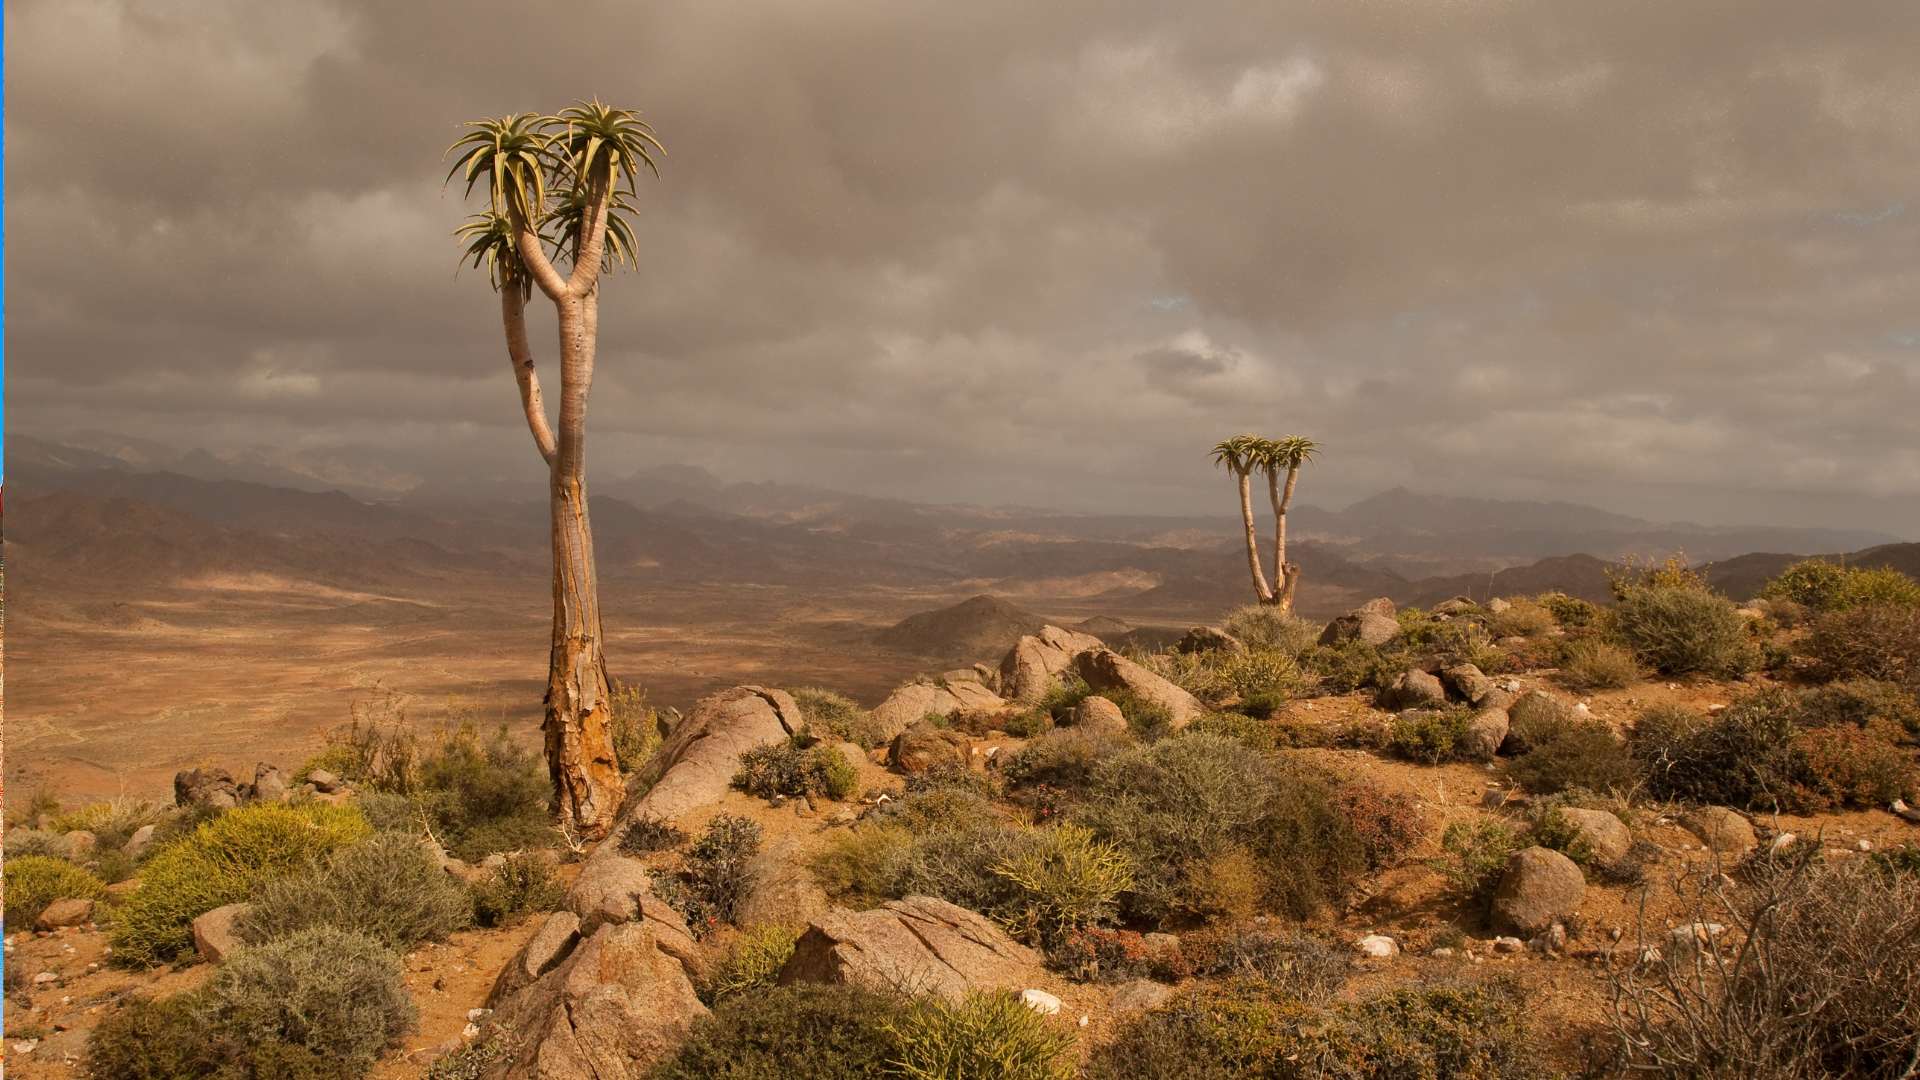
<point x="554" y="193"/>
<point x="1240" y="456"/>
<point x="1275" y="455"/>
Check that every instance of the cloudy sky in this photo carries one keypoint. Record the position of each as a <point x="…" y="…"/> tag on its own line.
<point x="1658" y="256"/>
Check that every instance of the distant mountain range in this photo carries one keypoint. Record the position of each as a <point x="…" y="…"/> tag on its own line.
<point x="99" y="519"/>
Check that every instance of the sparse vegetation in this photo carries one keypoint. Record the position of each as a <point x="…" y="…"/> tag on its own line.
<point x="321" y="1004"/>
<point x="1593" y="664"/>
<point x="984" y="1034"/>
<point x="648" y="834"/>
<point x="634" y="727"/>
<point x="1263" y="627"/>
<point x="752" y="962"/>
<point x="1474" y="854"/>
<point x="522" y="883"/>
<point x="222" y="862"/>
<point x="1529" y="618"/>
<point x="34" y="881"/>
<point x="796" y="767"/>
<point x="839" y="716"/>
<point x="1349" y="666"/>
<point x="1575" y="752"/>
<point x="1430" y="735"/>
<point x="387" y="888"/>
<point x="1680" y="629"/>
<point x="809" y="1031"/>
<point x="716" y="874"/>
<point x="1873" y="641"/>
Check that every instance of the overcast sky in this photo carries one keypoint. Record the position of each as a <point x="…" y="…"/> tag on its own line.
<point x="1658" y="256"/>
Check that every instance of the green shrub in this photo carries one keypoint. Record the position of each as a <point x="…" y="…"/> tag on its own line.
<point x="1570" y="612"/>
<point x="321" y="1005"/>
<point x="1592" y="664"/>
<point x="1810" y="582"/>
<point x="523" y="882"/>
<point x="1348" y="666"/>
<point x="1147" y="719"/>
<point x="808" y="1031"/>
<point x="112" y="823"/>
<point x="1026" y="724"/>
<point x="634" y="725"/>
<point x="753" y="961"/>
<point x="648" y="834"/>
<point x="1065" y="695"/>
<point x="388" y="888"/>
<point x="1576" y="752"/>
<point x="1065" y="879"/>
<point x="22" y="841"/>
<point x="1228" y="1030"/>
<point x="1197" y="673"/>
<point x="1846" y="767"/>
<point x="839" y="716"/>
<point x="1743" y="756"/>
<point x="1180" y="805"/>
<point x="1304" y="968"/>
<point x="34" y="881"/>
<point x="1678" y="630"/>
<point x="473" y="1060"/>
<point x="223" y="862"/>
<point x="716" y="875"/>
<point x="1430" y="735"/>
<point x="1878" y="585"/>
<point x="1861" y="703"/>
<point x="796" y="767"/>
<point x="1440" y="1030"/>
<point x="1525" y="618"/>
<point x="332" y="992"/>
<point x="861" y="864"/>
<point x="485" y="794"/>
<point x="1474" y="855"/>
<point x="984" y="1034"/>
<point x="1874" y="641"/>
<point x="1063" y="759"/>
<point x="1259" y="626"/>
<point x="1262" y="672"/>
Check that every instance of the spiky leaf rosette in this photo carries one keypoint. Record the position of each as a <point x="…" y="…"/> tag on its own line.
<point x="564" y="222"/>
<point x="510" y="155"/>
<point x="490" y="243"/>
<point x="589" y="133"/>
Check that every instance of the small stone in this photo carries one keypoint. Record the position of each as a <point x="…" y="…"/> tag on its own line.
<point x="470" y="1032"/>
<point x="1505" y="944"/>
<point x="1781" y="843"/>
<point x="477" y="1015"/>
<point x="1379" y="946"/>
<point x="1863" y="845"/>
<point x="45" y="978"/>
<point x="323" y="781"/>
<point x="68" y="912"/>
<point x="1443" y="952"/>
<point x="1040" y="1001"/>
<point x="1139" y="995"/>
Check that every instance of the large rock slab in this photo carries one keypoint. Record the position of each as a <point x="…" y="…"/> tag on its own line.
<point x="923" y="746"/>
<point x="216" y="934"/>
<point x="1036" y="661"/>
<point x="1539" y="887"/>
<point x="919" y="944"/>
<point x="1105" y="670"/>
<point x="1372" y="622"/>
<point x="911" y="703"/>
<point x="695" y="764"/>
<point x="615" y="1006"/>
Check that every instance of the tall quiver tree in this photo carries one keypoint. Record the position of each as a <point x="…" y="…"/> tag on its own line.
<point x="1274" y="456"/>
<point x="554" y="182"/>
<point x="1240" y="455"/>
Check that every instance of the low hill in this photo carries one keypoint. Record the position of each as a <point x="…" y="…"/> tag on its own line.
<point x="1742" y="577"/>
<point x="980" y="627"/>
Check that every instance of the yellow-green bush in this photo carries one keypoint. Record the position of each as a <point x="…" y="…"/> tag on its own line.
<point x="1593" y="664"/>
<point x="1677" y="630"/>
<point x="222" y="862"/>
<point x="34" y="881"/>
<point x="1259" y="626"/>
<point x="984" y="1034"/>
<point x="828" y="713"/>
<point x="1066" y="879"/>
<point x="753" y="961"/>
<point x="387" y="888"/>
<point x="1523" y="618"/>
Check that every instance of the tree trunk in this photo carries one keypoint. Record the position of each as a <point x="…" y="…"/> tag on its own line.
<point x="1260" y="590"/>
<point x="578" y="726"/>
<point x="1286" y="575"/>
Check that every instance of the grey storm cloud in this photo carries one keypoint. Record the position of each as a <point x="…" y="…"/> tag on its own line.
<point x="1656" y="255"/>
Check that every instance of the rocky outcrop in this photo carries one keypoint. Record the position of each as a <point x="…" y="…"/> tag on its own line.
<point x="1539" y="887"/>
<point x="611" y="1009"/>
<point x="269" y="784"/>
<point x="213" y="788"/>
<point x="909" y="704"/>
<point x="1724" y="831"/>
<point x="1372" y="622"/>
<point x="1414" y="689"/>
<point x="783" y="890"/>
<point x="1604" y="835"/>
<point x="1200" y="639"/>
<point x="695" y="764"/>
<point x="919" y="944"/>
<point x="923" y="746"/>
<point x="1099" y="714"/>
<point x="1105" y="670"/>
<point x="217" y="933"/>
<point x="1485" y="732"/>
<point x="72" y="911"/>
<point x="1533" y="713"/>
<point x="1468" y="683"/>
<point x="1036" y="661"/>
